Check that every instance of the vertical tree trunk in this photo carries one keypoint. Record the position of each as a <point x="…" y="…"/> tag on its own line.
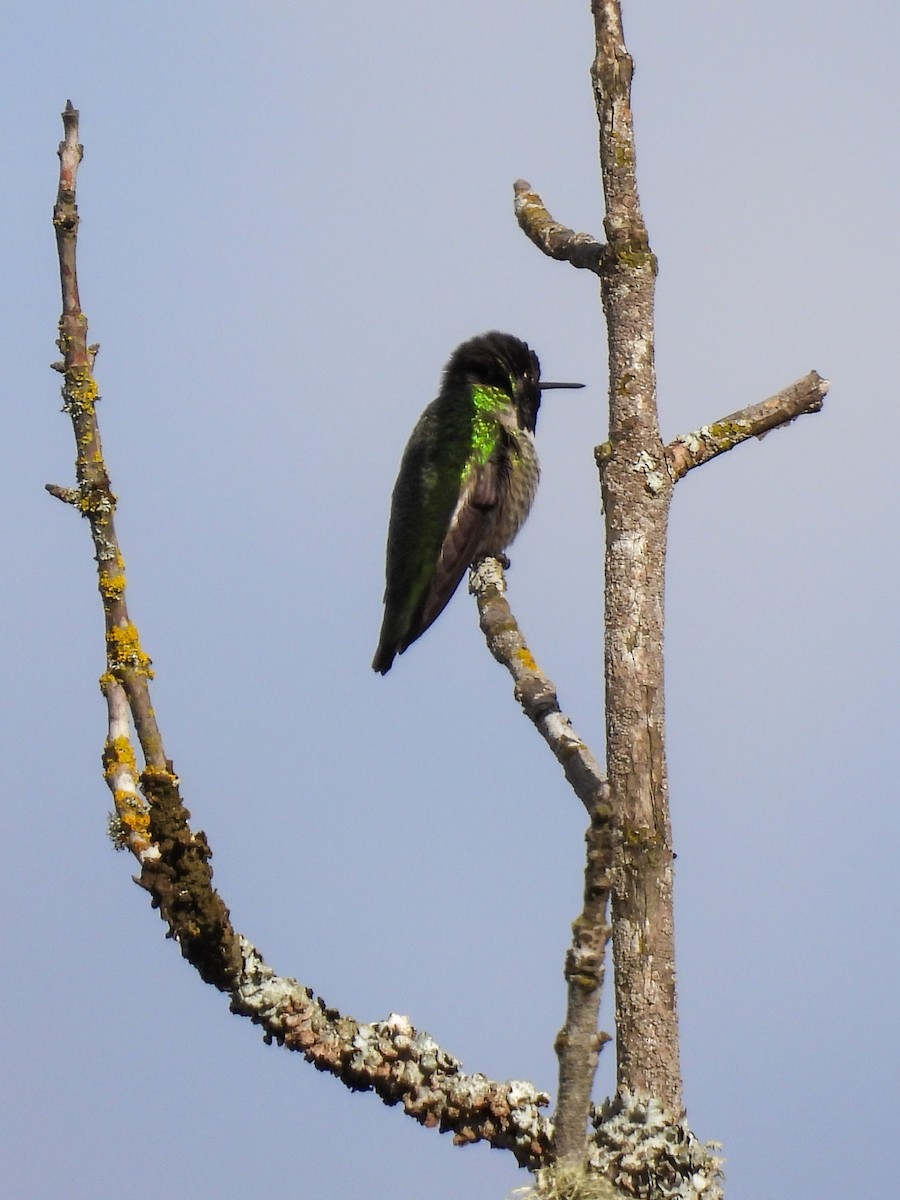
<point x="637" y="490"/>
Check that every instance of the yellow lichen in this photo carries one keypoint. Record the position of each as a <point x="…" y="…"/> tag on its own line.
<point x="125" y="653"/>
<point x="159" y="773"/>
<point x="94" y="500"/>
<point x="725" y="434"/>
<point x="526" y="658"/>
<point x="636" y="259"/>
<point x="81" y="392"/>
<point x="136" y="819"/>
<point x="129" y="826"/>
<point x="118" y="753"/>
<point x="112" y="587"/>
<point x="603" y="453"/>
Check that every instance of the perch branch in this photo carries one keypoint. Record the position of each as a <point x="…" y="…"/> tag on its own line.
<point x="691" y="450"/>
<point x="555" y="240"/>
<point x="390" y="1057"/>
<point x="534" y="691"/>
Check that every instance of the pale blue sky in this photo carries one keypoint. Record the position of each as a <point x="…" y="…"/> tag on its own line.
<point x="291" y="214"/>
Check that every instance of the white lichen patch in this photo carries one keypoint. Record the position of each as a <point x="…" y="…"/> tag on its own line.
<point x="654" y="477"/>
<point x="648" y="1151"/>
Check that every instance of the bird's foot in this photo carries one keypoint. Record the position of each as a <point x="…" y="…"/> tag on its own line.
<point x="487" y="571"/>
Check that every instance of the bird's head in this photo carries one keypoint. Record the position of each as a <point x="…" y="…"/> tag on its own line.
<point x="499" y="360"/>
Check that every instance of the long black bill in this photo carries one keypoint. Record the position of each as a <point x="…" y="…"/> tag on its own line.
<point x="545" y="387"/>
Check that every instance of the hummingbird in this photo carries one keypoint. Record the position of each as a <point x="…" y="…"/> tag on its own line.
<point x="467" y="480"/>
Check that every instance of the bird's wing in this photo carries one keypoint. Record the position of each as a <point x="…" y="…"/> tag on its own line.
<point x="465" y="532"/>
<point x="434" y="531"/>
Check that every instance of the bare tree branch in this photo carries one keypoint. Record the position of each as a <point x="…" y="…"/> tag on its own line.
<point x="691" y="450"/>
<point x="127" y="662"/>
<point x="578" y="1043"/>
<point x="557" y="241"/>
<point x="402" y="1065"/>
<point x="534" y="691"/>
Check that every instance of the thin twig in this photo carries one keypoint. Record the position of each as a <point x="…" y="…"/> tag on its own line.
<point x="126" y="660"/>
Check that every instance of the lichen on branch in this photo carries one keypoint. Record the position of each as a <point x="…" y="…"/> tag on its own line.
<point x="399" y="1063"/>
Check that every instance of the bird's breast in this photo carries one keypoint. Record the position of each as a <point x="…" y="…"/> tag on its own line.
<point x="519" y="481"/>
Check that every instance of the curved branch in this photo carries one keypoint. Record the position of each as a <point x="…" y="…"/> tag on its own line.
<point x="390" y="1057"/>
<point x="555" y="240"/>
<point x="691" y="450"/>
<point x="400" y="1064"/>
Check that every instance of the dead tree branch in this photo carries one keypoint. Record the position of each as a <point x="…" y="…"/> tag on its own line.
<point x="578" y="1043"/>
<point x="637" y="475"/>
<point x="580" y="249"/>
<point x="691" y="450"/>
<point x="534" y="691"/>
<point x="402" y="1065"/>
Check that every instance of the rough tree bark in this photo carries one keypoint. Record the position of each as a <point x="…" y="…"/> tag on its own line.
<point x="637" y="476"/>
<point x="639" y="1140"/>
